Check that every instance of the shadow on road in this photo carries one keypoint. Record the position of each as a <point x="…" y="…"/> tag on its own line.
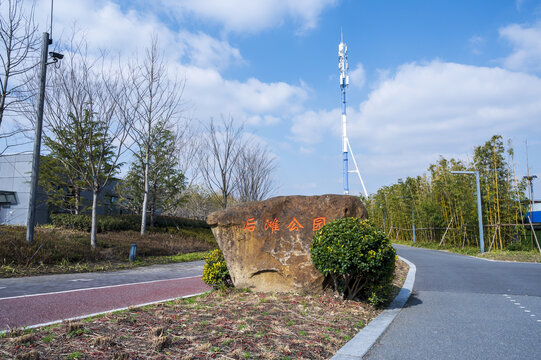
<point x="413" y="300"/>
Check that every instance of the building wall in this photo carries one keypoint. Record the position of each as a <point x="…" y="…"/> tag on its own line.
<point x="15" y="174"/>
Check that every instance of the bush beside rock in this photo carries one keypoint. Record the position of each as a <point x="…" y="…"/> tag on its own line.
<point x="215" y="271"/>
<point x="356" y="257"/>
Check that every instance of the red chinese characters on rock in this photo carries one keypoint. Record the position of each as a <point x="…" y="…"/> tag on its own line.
<point x="273" y="225"/>
<point x="294" y="225"/>
<point x="318" y="223"/>
<point x="250" y="224"/>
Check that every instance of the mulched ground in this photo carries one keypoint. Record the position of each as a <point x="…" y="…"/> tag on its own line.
<point x="230" y="324"/>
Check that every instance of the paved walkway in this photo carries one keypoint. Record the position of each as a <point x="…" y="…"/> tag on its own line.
<point x="52" y="298"/>
<point x="466" y="308"/>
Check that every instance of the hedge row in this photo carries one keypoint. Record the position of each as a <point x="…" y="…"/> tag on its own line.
<point x="121" y="222"/>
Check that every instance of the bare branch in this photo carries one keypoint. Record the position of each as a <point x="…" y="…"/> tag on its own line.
<point x="253" y="173"/>
<point x="222" y="147"/>
<point x="18" y="54"/>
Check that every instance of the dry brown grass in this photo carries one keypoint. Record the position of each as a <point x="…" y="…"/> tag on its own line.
<point x="63" y="250"/>
<point x="231" y="324"/>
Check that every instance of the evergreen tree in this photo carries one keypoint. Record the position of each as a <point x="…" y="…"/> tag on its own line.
<point x="166" y="182"/>
<point x="62" y="185"/>
<point x="87" y="155"/>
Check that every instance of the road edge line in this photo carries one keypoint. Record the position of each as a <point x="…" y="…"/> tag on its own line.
<point x="357" y="347"/>
<point x="105" y="312"/>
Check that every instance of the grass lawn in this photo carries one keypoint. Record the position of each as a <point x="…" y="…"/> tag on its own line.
<point x="503" y="255"/>
<point x="57" y="250"/>
<point x="222" y="324"/>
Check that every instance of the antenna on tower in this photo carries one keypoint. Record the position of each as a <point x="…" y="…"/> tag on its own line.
<point x="343" y="66"/>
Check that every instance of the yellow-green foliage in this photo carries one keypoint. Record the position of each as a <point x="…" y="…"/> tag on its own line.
<point x="215" y="272"/>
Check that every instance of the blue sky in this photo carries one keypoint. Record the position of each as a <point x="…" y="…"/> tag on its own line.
<point x="428" y="78"/>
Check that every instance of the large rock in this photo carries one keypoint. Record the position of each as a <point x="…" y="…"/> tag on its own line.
<point x="266" y="244"/>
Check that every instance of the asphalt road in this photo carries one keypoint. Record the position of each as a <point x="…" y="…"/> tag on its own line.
<point x="466" y="308"/>
<point x="44" y="299"/>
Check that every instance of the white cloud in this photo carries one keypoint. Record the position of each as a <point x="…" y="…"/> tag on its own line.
<point x="106" y="25"/>
<point x="205" y="51"/>
<point x="198" y="57"/>
<point x="357" y="76"/>
<point x="526" y="43"/>
<point x="252" y="16"/>
<point x="425" y="110"/>
<point x="310" y="127"/>
<point x="476" y="44"/>
<point x="253" y="101"/>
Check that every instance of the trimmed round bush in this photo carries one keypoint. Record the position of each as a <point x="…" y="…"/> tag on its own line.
<point x="215" y="272"/>
<point x="356" y="257"/>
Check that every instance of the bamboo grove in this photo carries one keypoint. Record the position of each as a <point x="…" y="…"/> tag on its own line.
<point x="443" y="206"/>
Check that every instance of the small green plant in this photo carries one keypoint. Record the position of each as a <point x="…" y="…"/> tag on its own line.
<point x="215" y="272"/>
<point x="76" y="355"/>
<point x="356" y="257"/>
<point x="48" y="338"/>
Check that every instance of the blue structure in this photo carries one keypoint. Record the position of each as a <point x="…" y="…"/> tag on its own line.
<point x="535" y="213"/>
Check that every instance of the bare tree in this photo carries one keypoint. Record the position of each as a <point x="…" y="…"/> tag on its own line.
<point x="152" y="103"/>
<point x="83" y="122"/>
<point x="197" y="203"/>
<point x="188" y="150"/>
<point x="18" y="56"/>
<point x="222" y="146"/>
<point x="253" y="173"/>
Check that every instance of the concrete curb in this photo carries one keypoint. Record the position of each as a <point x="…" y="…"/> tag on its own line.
<point x="357" y="347"/>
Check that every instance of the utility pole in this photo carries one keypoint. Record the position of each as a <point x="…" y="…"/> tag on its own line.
<point x="479" y="210"/>
<point x="31" y="219"/>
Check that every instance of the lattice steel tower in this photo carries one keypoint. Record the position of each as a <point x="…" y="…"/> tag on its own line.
<point x="346" y="147"/>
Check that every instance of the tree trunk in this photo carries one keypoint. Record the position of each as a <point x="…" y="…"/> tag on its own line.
<point x="94" y="228"/>
<point x="77" y="200"/>
<point x="153" y="206"/>
<point x="145" y="196"/>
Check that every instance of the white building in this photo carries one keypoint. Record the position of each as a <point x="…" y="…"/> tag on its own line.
<point x="15" y="173"/>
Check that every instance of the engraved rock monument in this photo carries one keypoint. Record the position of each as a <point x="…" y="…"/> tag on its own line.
<point x="266" y="244"/>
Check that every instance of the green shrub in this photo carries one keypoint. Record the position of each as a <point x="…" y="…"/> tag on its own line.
<point x="123" y="222"/>
<point x="518" y="246"/>
<point x="356" y="258"/>
<point x="215" y="271"/>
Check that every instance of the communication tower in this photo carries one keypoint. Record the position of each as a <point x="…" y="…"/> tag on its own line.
<point x="346" y="147"/>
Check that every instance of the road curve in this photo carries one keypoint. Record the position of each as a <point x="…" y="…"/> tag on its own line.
<point x="466" y="308"/>
<point x="38" y="307"/>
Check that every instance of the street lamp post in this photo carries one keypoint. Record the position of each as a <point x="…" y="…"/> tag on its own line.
<point x="31" y="216"/>
<point x="479" y="210"/>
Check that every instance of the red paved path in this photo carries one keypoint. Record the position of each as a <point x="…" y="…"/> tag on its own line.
<point x="44" y="308"/>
